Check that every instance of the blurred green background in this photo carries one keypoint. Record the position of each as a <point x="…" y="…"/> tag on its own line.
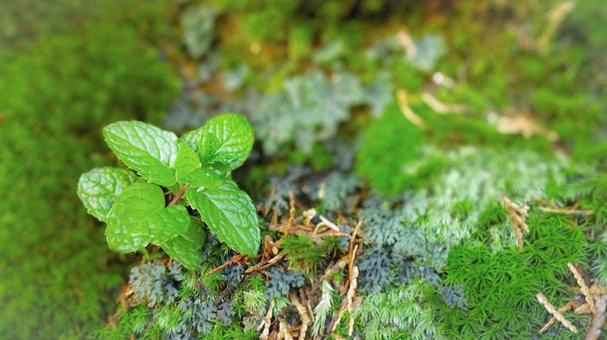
<point x="69" y="67"/>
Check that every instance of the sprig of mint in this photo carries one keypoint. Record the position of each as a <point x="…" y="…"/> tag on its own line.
<point x="149" y="206"/>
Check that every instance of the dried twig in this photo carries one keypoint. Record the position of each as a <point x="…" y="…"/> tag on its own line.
<point x="353" y="238"/>
<point x="403" y="104"/>
<point x="322" y="191"/>
<point x="352" y="302"/>
<point x="283" y="330"/>
<point x="584" y="288"/>
<point x="518" y="216"/>
<point x="234" y="260"/>
<point x="599" y="319"/>
<point x="595" y="298"/>
<point x="327" y="223"/>
<point x="594" y="290"/>
<point x="347" y="304"/>
<point x="407" y="43"/>
<point x="266" y="322"/>
<point x="552" y="320"/>
<point x="558" y="316"/>
<point x="340" y="264"/>
<point x="125" y="294"/>
<point x="292" y="212"/>
<point x="524" y="124"/>
<point x="555" y="18"/>
<point x="303" y="313"/>
<point x="583" y="309"/>
<point x="441" y="107"/>
<point x="266" y="264"/>
<point x="567" y="211"/>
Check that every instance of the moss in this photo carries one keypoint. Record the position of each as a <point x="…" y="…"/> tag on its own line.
<point x="58" y="87"/>
<point x="304" y="254"/>
<point x="388" y="145"/>
<point x="500" y="287"/>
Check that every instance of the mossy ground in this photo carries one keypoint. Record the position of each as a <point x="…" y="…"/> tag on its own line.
<point x="416" y="119"/>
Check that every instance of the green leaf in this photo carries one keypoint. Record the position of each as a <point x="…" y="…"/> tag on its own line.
<point x="185" y="248"/>
<point x="230" y="214"/>
<point x="228" y="139"/>
<point x="138" y="218"/>
<point x="99" y="188"/>
<point x="186" y="162"/>
<point x="144" y="148"/>
<point x="167" y="223"/>
<point x="192" y="138"/>
<point x="188" y="169"/>
<point x="205" y="178"/>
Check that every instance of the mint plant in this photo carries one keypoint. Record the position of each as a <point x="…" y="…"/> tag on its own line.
<point x="173" y="173"/>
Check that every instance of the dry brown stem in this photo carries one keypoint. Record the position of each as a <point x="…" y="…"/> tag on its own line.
<point x="303" y="313"/>
<point x="404" y="38"/>
<point x="403" y="104"/>
<point x="283" y="330"/>
<point x="555" y="18"/>
<point x="583" y="287"/>
<point x="523" y="123"/>
<point x="567" y="211"/>
<point x="552" y="320"/>
<point x="266" y="264"/>
<point x="599" y="319"/>
<point x="558" y="316"/>
<point x="518" y="217"/>
<point x="441" y="107"/>
<point x="266" y="323"/>
<point x="234" y="260"/>
<point x="583" y="309"/>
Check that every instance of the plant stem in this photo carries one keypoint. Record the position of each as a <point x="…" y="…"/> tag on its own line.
<point x="179" y="195"/>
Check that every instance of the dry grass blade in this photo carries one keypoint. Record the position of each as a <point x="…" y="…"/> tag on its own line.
<point x="558" y="316"/>
<point x="518" y="219"/>
<point x="599" y="319"/>
<point x="522" y="123"/>
<point x="567" y="307"/>
<point x="303" y="313"/>
<point x="266" y="264"/>
<point x="347" y="304"/>
<point x="583" y="309"/>
<point x="584" y="288"/>
<point x="567" y="211"/>
<point x="405" y="40"/>
<point x="440" y="107"/>
<point x="266" y="323"/>
<point x="555" y="18"/>
<point x="283" y="330"/>
<point x="234" y="260"/>
<point x="403" y="104"/>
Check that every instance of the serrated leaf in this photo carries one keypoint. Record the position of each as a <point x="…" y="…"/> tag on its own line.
<point x="138" y="218"/>
<point x="228" y="139"/>
<point x="185" y="248"/>
<point x="192" y="138"/>
<point x="205" y="178"/>
<point x="144" y="148"/>
<point x="188" y="169"/>
<point x="99" y="188"/>
<point x="186" y="162"/>
<point x="167" y="223"/>
<point x="230" y="214"/>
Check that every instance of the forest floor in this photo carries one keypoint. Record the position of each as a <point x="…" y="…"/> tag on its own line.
<point x="420" y="171"/>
